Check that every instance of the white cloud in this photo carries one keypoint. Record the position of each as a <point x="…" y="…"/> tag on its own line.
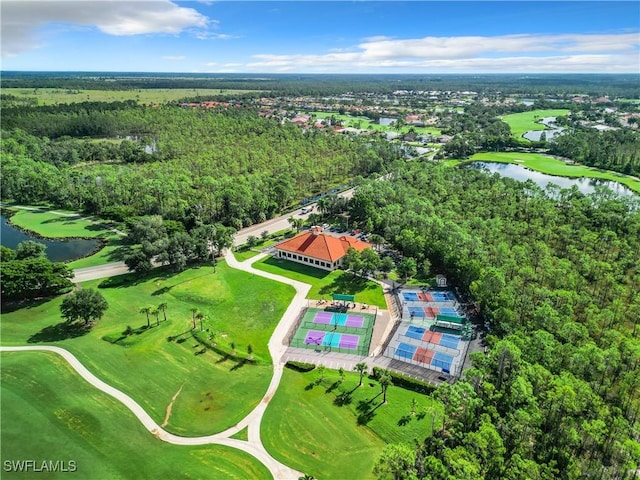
<point x="174" y="58"/>
<point x="21" y="20"/>
<point x="518" y="53"/>
<point x="214" y="36"/>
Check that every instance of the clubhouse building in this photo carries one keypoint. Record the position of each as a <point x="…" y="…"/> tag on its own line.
<point x="317" y="249"/>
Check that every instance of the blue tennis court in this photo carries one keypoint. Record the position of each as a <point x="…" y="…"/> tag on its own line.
<point x="449" y="341"/>
<point x="331" y="340"/>
<point x="448" y="311"/>
<point x="439" y="297"/>
<point x="417" y="312"/>
<point x="443" y="361"/>
<point x="415" y="332"/>
<point x="410" y="297"/>
<point x="405" y="351"/>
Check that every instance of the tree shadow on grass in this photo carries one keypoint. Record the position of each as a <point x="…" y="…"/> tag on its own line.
<point x="296" y="267"/>
<point x="238" y="365"/>
<point x="61" y="331"/>
<point x="365" y="412"/>
<point x="348" y="284"/>
<point x="343" y="398"/>
<point x="405" y="419"/>
<point x="333" y="386"/>
<point x="8" y="306"/>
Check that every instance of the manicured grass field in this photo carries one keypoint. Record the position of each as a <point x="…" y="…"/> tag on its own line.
<point x="367" y="124"/>
<point x="52" y="225"/>
<point x="243" y="254"/>
<point x="217" y="388"/>
<point x="553" y="166"/>
<point x="48" y="96"/>
<point x="305" y="429"/>
<point x="324" y="283"/>
<point x="525" y="121"/>
<point x="103" y="256"/>
<point x="50" y="413"/>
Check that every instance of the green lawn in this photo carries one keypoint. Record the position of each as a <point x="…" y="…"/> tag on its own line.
<point x="217" y="389"/>
<point x="109" y="253"/>
<point x="243" y="254"/>
<point x="49" y="96"/>
<point x="367" y="124"/>
<point x="50" y="413"/>
<point x="324" y="283"/>
<point x="525" y="121"/>
<point x="553" y="166"/>
<point x="305" y="429"/>
<point x="51" y="225"/>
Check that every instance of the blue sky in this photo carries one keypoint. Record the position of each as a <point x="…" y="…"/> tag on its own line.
<point x="322" y="37"/>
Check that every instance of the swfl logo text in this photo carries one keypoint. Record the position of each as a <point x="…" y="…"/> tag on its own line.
<point x="40" y="466"/>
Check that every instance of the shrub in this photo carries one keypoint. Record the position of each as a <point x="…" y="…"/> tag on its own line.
<point x="404" y="381"/>
<point x="300" y="366"/>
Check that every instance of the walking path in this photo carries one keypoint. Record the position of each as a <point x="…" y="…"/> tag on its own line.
<point x="277" y="349"/>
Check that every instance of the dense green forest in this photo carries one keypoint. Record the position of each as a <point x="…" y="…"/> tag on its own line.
<point x="617" y="150"/>
<point x="310" y="84"/>
<point x="556" y="276"/>
<point x="229" y="166"/>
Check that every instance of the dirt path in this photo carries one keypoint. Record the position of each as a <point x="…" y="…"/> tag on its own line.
<point x="170" y="406"/>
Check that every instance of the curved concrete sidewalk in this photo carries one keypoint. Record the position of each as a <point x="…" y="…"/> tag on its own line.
<point x="253" y="445"/>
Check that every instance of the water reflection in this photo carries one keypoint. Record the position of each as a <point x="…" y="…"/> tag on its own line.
<point x="522" y="174"/>
<point x="57" y="250"/>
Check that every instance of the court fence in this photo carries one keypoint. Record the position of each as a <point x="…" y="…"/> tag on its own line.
<point x="362" y="350"/>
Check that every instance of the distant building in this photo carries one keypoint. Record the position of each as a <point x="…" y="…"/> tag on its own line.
<point x="318" y="250"/>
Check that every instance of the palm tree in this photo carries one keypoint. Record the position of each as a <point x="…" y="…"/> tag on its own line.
<point x="341" y="373"/>
<point x="376" y="240"/>
<point x="146" y="311"/>
<point x="414" y="406"/>
<point x="193" y="311"/>
<point x="163" y="308"/>
<point x="155" y="311"/>
<point x="361" y="368"/>
<point x="384" y="381"/>
<point x="306" y="476"/>
<point x="323" y="206"/>
<point x="296" y="223"/>
<point x="200" y="317"/>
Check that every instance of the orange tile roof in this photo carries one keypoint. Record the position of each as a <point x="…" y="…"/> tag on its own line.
<point x="321" y="246"/>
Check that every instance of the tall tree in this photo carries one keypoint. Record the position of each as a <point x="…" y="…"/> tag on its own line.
<point x="362" y="369"/>
<point x="384" y="380"/>
<point x="163" y="308"/>
<point x="146" y="310"/>
<point x="86" y="305"/>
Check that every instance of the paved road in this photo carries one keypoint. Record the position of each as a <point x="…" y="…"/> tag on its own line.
<point x="279" y="223"/>
<point x="277" y="349"/>
<point x="100" y="271"/>
<point x="241" y="237"/>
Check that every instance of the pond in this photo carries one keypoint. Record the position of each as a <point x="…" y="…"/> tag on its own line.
<point x="552" y="130"/>
<point x="386" y="121"/>
<point x="57" y="250"/>
<point x="522" y="174"/>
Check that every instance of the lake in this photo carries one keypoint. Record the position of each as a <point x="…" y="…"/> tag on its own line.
<point x="551" y="132"/>
<point x="522" y="174"/>
<point x="57" y="250"/>
<point x="386" y="121"/>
